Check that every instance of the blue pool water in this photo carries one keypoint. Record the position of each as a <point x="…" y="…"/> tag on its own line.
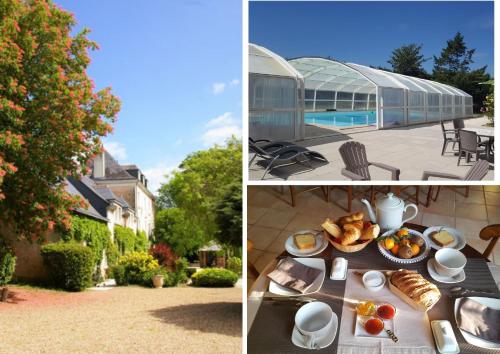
<point x="341" y="119"/>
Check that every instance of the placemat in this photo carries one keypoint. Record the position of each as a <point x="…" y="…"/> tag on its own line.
<point x="410" y="326"/>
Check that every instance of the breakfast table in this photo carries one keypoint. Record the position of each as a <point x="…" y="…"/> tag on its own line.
<point x="270" y="323"/>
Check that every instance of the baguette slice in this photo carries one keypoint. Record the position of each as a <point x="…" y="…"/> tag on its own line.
<point x="304" y="241"/>
<point x="332" y="228"/>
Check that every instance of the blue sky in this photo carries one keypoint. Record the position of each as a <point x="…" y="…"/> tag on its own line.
<point x="176" y="66"/>
<point x="367" y="32"/>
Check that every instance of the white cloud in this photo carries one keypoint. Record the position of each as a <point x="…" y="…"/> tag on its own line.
<point x="220" y="129"/>
<point x="218" y="87"/>
<point x="117" y="150"/>
<point x="234" y="82"/>
<point x="157" y="175"/>
<point x="224" y="119"/>
<point x="220" y="134"/>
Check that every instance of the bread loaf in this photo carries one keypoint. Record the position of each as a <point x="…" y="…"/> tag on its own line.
<point x="416" y="287"/>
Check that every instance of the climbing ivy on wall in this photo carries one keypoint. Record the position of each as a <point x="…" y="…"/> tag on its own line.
<point x="141" y="241"/>
<point x="94" y="234"/>
<point x="124" y="239"/>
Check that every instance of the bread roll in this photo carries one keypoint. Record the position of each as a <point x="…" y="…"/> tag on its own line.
<point x="357" y="216"/>
<point x="345" y="220"/>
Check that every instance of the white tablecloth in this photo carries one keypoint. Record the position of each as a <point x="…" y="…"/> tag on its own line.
<point x="412" y="327"/>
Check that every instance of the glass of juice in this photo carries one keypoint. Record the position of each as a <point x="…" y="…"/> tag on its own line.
<point x="386" y="311"/>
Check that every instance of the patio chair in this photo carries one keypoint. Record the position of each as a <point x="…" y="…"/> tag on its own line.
<point x="469" y="144"/>
<point x="449" y="136"/>
<point x="458" y="124"/>
<point x="289" y="155"/>
<point x="490" y="233"/>
<point x="356" y="163"/>
<point x="475" y="173"/>
<point x="268" y="146"/>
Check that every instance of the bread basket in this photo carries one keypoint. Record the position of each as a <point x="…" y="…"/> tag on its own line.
<point x="346" y="248"/>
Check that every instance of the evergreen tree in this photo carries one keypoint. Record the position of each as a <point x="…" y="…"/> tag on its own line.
<point x="408" y="60"/>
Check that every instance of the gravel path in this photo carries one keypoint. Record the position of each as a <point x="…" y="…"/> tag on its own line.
<point x="122" y="320"/>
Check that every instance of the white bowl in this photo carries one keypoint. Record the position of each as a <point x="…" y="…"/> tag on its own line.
<point x="373" y="280"/>
<point x="449" y="262"/>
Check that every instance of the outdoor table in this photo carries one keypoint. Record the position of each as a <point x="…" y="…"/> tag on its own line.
<point x="270" y="325"/>
<point x="486" y="133"/>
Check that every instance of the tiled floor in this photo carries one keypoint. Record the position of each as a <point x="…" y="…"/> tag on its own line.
<point x="271" y="218"/>
<point x="412" y="149"/>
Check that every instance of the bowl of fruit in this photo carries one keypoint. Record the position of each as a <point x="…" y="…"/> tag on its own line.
<point x="403" y="246"/>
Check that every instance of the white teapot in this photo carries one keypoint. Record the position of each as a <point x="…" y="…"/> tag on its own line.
<point x="390" y="210"/>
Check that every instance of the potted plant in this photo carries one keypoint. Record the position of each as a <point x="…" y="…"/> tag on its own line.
<point x="158" y="281"/>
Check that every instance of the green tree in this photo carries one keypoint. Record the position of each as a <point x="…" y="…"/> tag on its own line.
<point x="174" y="228"/>
<point x="408" y="60"/>
<point x="453" y="67"/>
<point x="51" y="117"/>
<point x="229" y="213"/>
<point x="201" y="183"/>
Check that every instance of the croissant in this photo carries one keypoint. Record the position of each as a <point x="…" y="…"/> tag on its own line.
<point x="351" y="234"/>
<point x="332" y="228"/>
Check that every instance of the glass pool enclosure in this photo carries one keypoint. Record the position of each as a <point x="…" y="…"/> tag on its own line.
<point x="284" y="96"/>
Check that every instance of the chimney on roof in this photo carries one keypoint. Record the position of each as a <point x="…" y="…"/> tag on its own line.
<point x="99" y="166"/>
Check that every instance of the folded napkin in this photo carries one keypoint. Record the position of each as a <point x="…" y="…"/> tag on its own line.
<point x="294" y="275"/>
<point x="479" y="320"/>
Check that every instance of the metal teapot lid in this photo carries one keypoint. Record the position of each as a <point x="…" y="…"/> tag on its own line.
<point x="389" y="201"/>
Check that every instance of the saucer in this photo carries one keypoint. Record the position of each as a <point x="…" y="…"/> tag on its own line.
<point x="324" y="342"/>
<point x="442" y="279"/>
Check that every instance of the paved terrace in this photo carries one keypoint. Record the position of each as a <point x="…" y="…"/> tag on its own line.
<point x="412" y="149"/>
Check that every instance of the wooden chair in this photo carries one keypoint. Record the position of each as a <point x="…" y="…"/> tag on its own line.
<point x="476" y="173"/>
<point x="352" y="194"/>
<point x="294" y="192"/>
<point x="400" y="191"/>
<point x="490" y="233"/>
<point x="356" y="163"/>
<point x="251" y="268"/>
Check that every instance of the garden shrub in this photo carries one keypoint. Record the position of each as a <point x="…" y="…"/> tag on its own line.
<point x="234" y="265"/>
<point x="214" y="278"/>
<point x="112" y="255"/>
<point x="141" y="241"/>
<point x="137" y="263"/>
<point x="7" y="263"/>
<point x="94" y="234"/>
<point x="118" y="274"/>
<point x="71" y="265"/>
<point x="164" y="254"/>
<point x="181" y="266"/>
<point x="124" y="239"/>
<point x="190" y="272"/>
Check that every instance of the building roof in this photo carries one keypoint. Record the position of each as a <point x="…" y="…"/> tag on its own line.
<point x="92" y="208"/>
<point x="113" y="170"/>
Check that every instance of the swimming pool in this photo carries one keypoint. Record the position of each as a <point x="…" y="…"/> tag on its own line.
<point x="341" y="119"/>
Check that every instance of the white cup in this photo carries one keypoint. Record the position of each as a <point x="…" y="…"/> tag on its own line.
<point x="373" y="280"/>
<point x="313" y="320"/>
<point x="449" y="262"/>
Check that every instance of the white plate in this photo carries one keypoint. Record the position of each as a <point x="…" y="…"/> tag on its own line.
<point x="387" y="254"/>
<point x="317" y="263"/>
<point x="359" y="330"/>
<point x="298" y="340"/>
<point x="457" y="244"/>
<point x="486" y="301"/>
<point x="442" y="279"/>
<point x="321" y="244"/>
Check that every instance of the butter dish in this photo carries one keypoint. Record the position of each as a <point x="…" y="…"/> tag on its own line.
<point x="339" y="269"/>
<point x="446" y="342"/>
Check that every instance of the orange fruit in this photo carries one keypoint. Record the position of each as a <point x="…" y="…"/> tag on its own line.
<point x="402" y="232"/>
<point x="388" y="243"/>
<point x="395" y="249"/>
<point x="415" y="249"/>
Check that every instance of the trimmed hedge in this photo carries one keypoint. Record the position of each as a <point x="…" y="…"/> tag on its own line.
<point x="7" y="264"/>
<point x="234" y="265"/>
<point x="214" y="278"/>
<point x="71" y="265"/>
